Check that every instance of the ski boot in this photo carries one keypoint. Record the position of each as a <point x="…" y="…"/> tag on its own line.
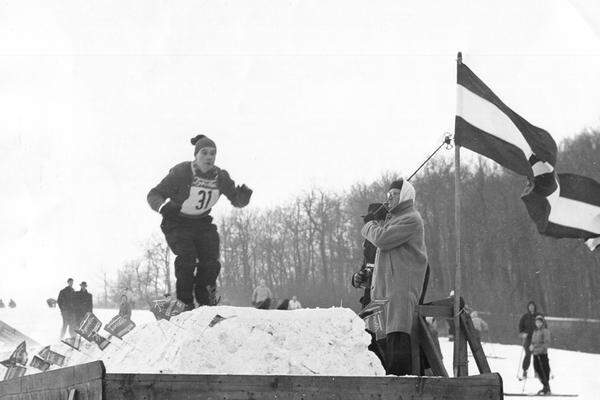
<point x="212" y="295"/>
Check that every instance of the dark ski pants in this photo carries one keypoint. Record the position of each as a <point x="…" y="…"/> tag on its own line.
<point x="68" y="324"/>
<point x="541" y="366"/>
<point x="527" y="356"/>
<point x="264" y="305"/>
<point x="195" y="243"/>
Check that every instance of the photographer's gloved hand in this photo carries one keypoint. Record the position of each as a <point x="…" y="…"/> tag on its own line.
<point x="170" y="209"/>
<point x="369" y="217"/>
<point x="376" y="212"/>
<point x="362" y="278"/>
<point x="381" y="214"/>
<point x="357" y="279"/>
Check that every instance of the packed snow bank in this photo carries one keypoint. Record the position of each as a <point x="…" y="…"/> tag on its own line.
<point x="248" y="341"/>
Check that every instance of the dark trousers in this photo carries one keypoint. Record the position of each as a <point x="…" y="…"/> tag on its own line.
<point x="196" y="246"/>
<point x="541" y="366"/>
<point x="398" y="359"/>
<point x="527" y="356"/>
<point x="264" y="305"/>
<point x="68" y="323"/>
<point x="377" y="347"/>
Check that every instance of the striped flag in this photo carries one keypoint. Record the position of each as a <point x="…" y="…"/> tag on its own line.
<point x="572" y="210"/>
<point x="485" y="125"/>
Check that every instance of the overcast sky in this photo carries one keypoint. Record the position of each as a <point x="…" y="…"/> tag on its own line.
<point x="99" y="99"/>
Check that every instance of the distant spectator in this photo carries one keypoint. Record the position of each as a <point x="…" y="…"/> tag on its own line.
<point x="2" y="304"/>
<point x="479" y="324"/>
<point x="294" y="303"/>
<point x="51" y="302"/>
<point x="83" y="303"/>
<point x="66" y="304"/>
<point x="540" y="340"/>
<point x="12" y="303"/>
<point x="261" y="296"/>
<point x="125" y="308"/>
<point x="526" y="328"/>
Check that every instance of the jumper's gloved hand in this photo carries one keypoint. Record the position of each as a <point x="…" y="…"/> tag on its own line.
<point x="244" y="194"/>
<point x="170" y="209"/>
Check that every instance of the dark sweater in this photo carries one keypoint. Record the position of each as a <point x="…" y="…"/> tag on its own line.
<point x="200" y="190"/>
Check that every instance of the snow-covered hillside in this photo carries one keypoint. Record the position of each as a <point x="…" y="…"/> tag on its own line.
<point x="327" y="341"/>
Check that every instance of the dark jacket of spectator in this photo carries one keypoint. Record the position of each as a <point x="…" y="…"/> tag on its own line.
<point x="65" y="300"/>
<point x="83" y="303"/>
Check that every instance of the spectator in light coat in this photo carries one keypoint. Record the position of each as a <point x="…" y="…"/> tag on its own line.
<point x="261" y="296"/>
<point x="399" y="271"/>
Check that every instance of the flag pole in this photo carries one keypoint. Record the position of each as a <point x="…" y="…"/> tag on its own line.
<point x="459" y="364"/>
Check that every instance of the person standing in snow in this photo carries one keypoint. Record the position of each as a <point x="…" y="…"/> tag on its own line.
<point x="66" y="304"/>
<point x="82" y="303"/>
<point x="185" y="198"/>
<point x="478" y="323"/>
<point x="261" y="296"/>
<point x="540" y="340"/>
<point x="526" y="328"/>
<point x="399" y="271"/>
<point x="125" y="307"/>
<point x="294" y="304"/>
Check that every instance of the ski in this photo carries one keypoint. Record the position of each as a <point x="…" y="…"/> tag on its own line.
<point x="541" y="395"/>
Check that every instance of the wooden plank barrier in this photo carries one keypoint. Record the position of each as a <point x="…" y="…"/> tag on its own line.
<point x="90" y="382"/>
<point x="296" y="387"/>
<point x="86" y="380"/>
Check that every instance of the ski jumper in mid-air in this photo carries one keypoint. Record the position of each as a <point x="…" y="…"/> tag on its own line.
<point x="184" y="198"/>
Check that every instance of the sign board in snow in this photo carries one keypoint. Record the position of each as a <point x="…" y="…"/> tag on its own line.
<point x="74" y="342"/>
<point x="39" y="363"/>
<point x="165" y="309"/>
<point x="119" y="326"/>
<point x="89" y="326"/>
<point x="101" y="341"/>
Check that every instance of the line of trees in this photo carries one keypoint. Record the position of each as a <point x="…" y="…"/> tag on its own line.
<point x="310" y="246"/>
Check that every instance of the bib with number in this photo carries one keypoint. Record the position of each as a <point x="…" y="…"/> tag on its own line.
<point x="204" y="194"/>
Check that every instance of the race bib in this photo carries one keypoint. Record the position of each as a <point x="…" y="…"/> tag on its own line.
<point x="204" y="194"/>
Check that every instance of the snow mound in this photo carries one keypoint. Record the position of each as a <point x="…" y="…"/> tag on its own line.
<point x="247" y="341"/>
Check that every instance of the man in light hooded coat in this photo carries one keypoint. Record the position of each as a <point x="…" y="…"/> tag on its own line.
<point x="399" y="271"/>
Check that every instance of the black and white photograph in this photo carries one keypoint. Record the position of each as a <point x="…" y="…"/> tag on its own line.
<point x="301" y="199"/>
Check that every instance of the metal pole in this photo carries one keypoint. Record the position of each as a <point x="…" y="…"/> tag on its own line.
<point x="458" y="370"/>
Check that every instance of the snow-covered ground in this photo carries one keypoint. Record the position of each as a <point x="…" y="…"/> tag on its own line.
<point x="325" y="341"/>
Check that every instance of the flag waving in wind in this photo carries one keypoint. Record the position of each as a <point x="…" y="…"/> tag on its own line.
<point x="485" y="125"/>
<point x="561" y="205"/>
<point x="571" y="211"/>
